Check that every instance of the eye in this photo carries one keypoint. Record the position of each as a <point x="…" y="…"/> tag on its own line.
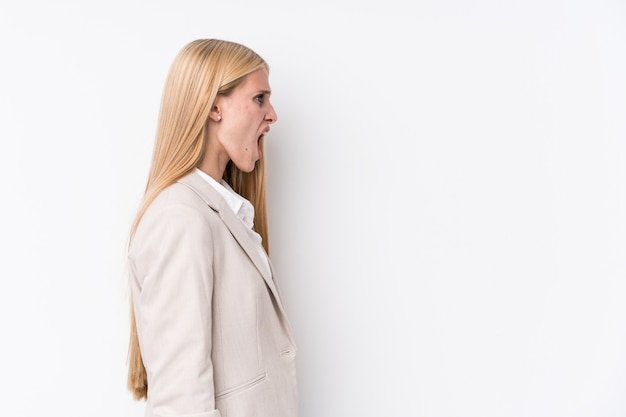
<point x="260" y="98"/>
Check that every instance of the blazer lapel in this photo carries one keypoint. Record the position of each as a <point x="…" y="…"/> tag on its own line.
<point x="238" y="230"/>
<point x="236" y="227"/>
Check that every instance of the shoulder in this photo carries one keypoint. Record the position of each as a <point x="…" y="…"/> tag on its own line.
<point x="176" y="205"/>
<point x="178" y="195"/>
<point x="187" y="209"/>
<point x="190" y="193"/>
<point x="178" y="208"/>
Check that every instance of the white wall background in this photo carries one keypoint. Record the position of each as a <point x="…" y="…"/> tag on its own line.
<point x="447" y="195"/>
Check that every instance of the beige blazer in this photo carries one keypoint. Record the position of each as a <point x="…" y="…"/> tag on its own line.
<point x="213" y="332"/>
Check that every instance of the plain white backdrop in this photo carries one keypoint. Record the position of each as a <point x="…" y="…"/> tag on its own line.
<point x="446" y="189"/>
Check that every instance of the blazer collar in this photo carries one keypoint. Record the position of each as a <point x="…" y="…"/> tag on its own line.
<point x="217" y="203"/>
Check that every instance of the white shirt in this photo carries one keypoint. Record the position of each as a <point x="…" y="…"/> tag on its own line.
<point x="242" y="208"/>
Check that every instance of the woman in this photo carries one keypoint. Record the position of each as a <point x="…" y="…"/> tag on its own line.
<point x="209" y="335"/>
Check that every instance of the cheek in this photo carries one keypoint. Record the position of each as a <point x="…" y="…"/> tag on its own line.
<point x="243" y="126"/>
<point x="236" y="127"/>
<point x="248" y="123"/>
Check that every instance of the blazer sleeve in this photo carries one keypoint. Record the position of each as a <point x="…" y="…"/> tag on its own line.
<point x="171" y="262"/>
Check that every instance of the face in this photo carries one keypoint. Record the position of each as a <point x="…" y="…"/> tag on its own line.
<point x="244" y="118"/>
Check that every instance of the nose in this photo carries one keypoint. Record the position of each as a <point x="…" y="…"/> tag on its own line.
<point x="271" y="115"/>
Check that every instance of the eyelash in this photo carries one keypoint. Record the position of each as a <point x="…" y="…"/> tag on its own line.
<point x="260" y="98"/>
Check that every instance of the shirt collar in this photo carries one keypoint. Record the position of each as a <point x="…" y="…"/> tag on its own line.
<point x="239" y="205"/>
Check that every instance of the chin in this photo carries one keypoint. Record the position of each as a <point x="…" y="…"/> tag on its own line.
<point x="247" y="168"/>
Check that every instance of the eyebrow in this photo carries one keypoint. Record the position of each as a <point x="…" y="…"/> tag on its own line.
<point x="265" y="91"/>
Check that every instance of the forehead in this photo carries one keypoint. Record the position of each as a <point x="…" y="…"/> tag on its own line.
<point x="256" y="81"/>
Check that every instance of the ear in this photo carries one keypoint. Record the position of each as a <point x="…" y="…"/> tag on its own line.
<point x="215" y="114"/>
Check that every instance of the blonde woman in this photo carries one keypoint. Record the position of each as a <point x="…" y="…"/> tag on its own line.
<point x="209" y="335"/>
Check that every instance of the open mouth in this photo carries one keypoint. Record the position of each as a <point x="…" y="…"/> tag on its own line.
<point x="260" y="144"/>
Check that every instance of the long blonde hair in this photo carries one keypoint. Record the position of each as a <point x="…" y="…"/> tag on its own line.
<point x="202" y="70"/>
